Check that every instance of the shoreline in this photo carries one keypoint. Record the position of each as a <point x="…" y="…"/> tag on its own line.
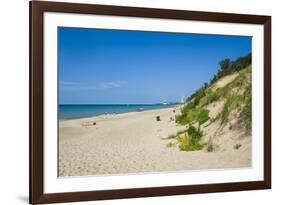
<point x="176" y="106"/>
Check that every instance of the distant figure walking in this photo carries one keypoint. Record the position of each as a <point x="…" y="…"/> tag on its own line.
<point x="158" y="118"/>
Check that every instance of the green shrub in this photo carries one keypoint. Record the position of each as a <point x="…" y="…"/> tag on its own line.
<point x="211" y="96"/>
<point x="203" y="116"/>
<point x="194" y="133"/>
<point x="190" y="105"/>
<point x="199" y="115"/>
<point x="187" y="144"/>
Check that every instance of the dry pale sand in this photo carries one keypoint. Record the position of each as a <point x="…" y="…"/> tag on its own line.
<point x="135" y="143"/>
<point x="225" y="80"/>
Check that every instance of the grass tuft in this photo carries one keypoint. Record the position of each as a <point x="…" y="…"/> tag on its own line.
<point x="192" y="141"/>
<point x="210" y="146"/>
<point x="210" y="97"/>
<point x="246" y="113"/>
<point x="194" y="133"/>
<point x="171" y="136"/>
<point x="233" y="102"/>
<point x="181" y="132"/>
<point x="170" y="145"/>
<point x="237" y="146"/>
<point x="188" y="144"/>
<point x="200" y="115"/>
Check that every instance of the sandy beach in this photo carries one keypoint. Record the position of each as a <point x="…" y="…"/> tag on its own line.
<point x="134" y="143"/>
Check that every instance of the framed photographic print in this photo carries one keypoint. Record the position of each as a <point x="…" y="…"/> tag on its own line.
<point x="139" y="102"/>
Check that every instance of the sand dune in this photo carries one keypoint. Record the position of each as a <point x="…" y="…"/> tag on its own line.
<point x="133" y="143"/>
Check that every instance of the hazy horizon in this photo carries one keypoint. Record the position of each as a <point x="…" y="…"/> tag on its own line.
<point x="134" y="67"/>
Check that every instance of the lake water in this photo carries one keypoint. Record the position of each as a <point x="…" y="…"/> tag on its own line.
<point x="68" y="111"/>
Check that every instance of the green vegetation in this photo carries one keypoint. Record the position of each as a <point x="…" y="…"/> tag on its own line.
<point x="246" y="113"/>
<point x="226" y="67"/>
<point x="233" y="102"/>
<point x="237" y="146"/>
<point x="212" y="119"/>
<point x="190" y="145"/>
<point x="194" y="133"/>
<point x="203" y="116"/>
<point x="210" y="96"/>
<point x="238" y="95"/>
<point x="199" y="115"/>
<point x="170" y="144"/>
<point x="187" y="140"/>
<point x="240" y="101"/>
<point x="192" y="141"/>
<point x="237" y="99"/>
<point x="210" y="146"/>
<point x="171" y="137"/>
<point x="181" y="132"/>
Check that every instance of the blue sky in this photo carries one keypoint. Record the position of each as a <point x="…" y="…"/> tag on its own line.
<point x="129" y="67"/>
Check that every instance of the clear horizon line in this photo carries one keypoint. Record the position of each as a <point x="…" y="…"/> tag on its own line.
<point x="117" y="103"/>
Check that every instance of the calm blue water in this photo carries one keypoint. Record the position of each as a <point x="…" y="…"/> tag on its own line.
<point x="81" y="111"/>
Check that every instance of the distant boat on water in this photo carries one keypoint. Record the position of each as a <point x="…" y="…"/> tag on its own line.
<point x="165" y="102"/>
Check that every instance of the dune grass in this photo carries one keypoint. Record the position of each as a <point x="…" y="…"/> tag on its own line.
<point x="181" y="132"/>
<point x="200" y="115"/>
<point x="191" y="142"/>
<point x="237" y="98"/>
<point x="241" y="101"/>
<point x="211" y="96"/>
<point x="246" y="113"/>
<point x="233" y="102"/>
<point x="188" y="144"/>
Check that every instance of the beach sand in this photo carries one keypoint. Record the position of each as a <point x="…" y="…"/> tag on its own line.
<point x="134" y="143"/>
